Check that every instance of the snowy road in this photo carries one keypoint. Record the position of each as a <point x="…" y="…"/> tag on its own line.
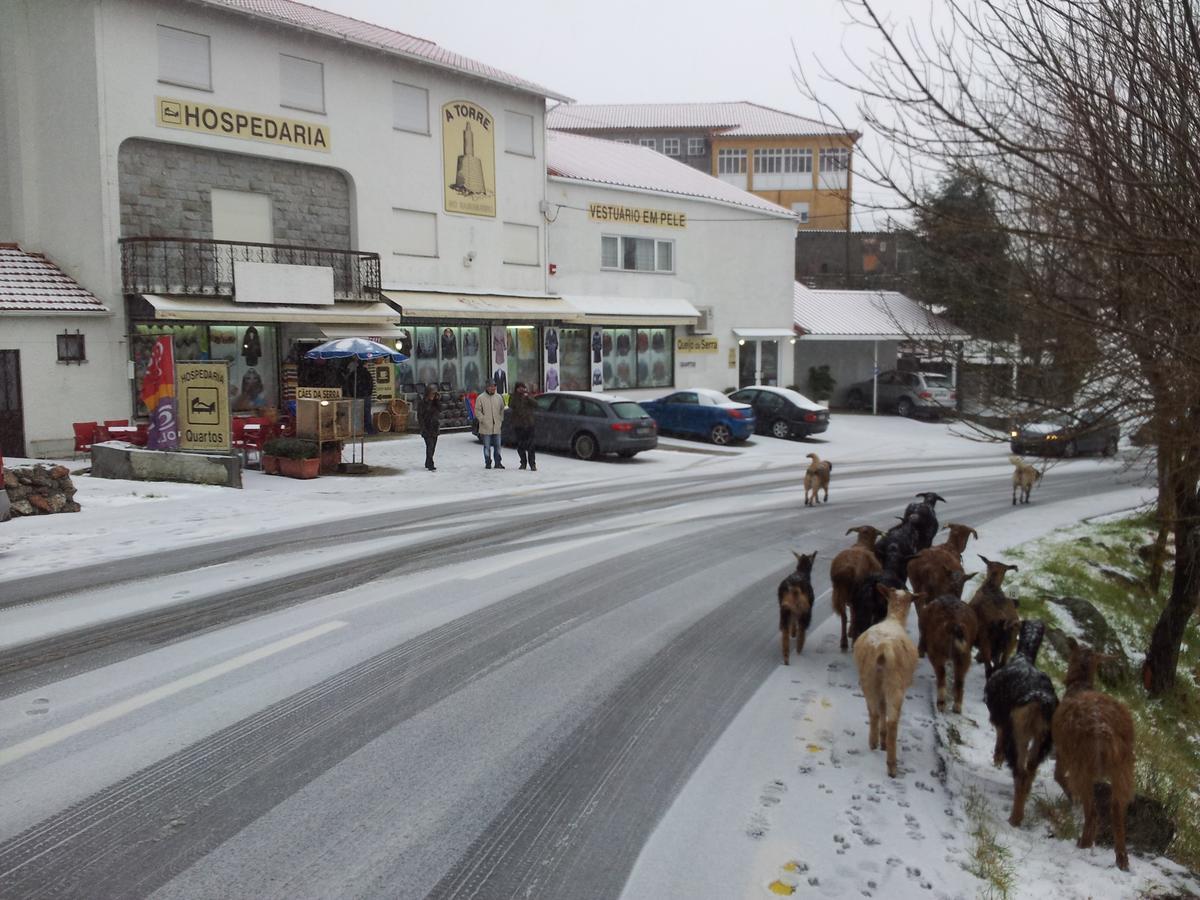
<point x="492" y="697"/>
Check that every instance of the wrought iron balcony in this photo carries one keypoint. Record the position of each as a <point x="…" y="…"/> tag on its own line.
<point x="152" y="265"/>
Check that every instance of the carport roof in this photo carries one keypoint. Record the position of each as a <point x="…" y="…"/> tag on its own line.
<point x="32" y="285"/>
<point x="865" y="316"/>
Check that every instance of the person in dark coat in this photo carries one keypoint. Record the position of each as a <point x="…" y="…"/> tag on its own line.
<point x="429" y="415"/>
<point x="523" y="406"/>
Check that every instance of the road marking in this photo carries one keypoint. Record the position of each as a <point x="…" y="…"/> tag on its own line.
<point x="57" y="735"/>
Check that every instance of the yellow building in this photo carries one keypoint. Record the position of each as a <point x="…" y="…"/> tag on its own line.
<point x="799" y="163"/>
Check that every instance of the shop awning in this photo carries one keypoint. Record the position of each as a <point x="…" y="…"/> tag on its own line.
<point x="433" y="305"/>
<point x="218" y="309"/>
<point x="764" y="332"/>
<point x="595" y="310"/>
<point x="333" y="332"/>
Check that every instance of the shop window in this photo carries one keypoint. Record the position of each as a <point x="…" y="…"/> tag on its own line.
<point x="518" y="133"/>
<point x="574" y="366"/>
<point x="523" y="359"/>
<point x="410" y="108"/>
<point x="638" y="358"/>
<point x="183" y="58"/>
<point x="301" y="83"/>
<point x="71" y="348"/>
<point x="445" y="355"/>
<point x="634" y="254"/>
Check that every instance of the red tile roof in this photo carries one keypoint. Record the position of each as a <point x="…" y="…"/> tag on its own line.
<point x="31" y="283"/>
<point x="311" y="18"/>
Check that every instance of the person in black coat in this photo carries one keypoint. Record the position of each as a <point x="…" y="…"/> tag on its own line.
<point x="429" y="414"/>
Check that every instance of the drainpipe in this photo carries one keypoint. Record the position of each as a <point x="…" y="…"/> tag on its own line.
<point x="875" y="381"/>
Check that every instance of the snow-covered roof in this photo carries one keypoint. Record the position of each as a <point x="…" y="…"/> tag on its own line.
<point x="30" y="283"/>
<point x="883" y="315"/>
<point x="320" y="21"/>
<point x="737" y="119"/>
<point x="612" y="163"/>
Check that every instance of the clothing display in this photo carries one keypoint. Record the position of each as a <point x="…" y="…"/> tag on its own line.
<point x="449" y="344"/>
<point x="658" y="342"/>
<point x="251" y="346"/>
<point x="643" y="341"/>
<point x="597" y="344"/>
<point x="624" y="345"/>
<point x="501" y="378"/>
<point x="426" y="344"/>
<point x="552" y="346"/>
<point x="499" y="345"/>
<point x="470" y="344"/>
<point x="552" y="379"/>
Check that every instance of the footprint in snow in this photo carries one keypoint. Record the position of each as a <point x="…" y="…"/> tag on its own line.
<point x="41" y="706"/>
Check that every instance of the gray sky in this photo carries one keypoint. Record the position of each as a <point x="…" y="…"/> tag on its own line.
<point x="644" y="51"/>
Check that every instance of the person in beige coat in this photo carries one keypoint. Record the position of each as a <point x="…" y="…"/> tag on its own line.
<point x="489" y="413"/>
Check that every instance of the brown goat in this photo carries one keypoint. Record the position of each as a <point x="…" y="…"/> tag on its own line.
<point x="850" y="567"/>
<point x="999" y="622"/>
<point x="1024" y="478"/>
<point x="795" y="596"/>
<point x="816" y="478"/>
<point x="948" y="631"/>
<point x="933" y="571"/>
<point x="886" y="659"/>
<point x="1093" y="740"/>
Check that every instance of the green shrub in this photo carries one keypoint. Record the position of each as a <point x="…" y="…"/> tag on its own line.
<point x="820" y="382"/>
<point x="291" y="448"/>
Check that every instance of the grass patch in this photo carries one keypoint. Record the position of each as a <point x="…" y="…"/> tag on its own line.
<point x="1057" y="812"/>
<point x="1073" y="563"/>
<point x="991" y="861"/>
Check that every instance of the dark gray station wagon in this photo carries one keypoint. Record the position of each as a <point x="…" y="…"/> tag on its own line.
<point x="588" y="425"/>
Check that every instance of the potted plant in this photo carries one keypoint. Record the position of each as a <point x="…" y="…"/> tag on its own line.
<point x="269" y="457"/>
<point x="820" y="384"/>
<point x="296" y="458"/>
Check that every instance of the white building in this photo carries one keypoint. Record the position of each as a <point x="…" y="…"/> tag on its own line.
<point x="238" y="130"/>
<point x="688" y="279"/>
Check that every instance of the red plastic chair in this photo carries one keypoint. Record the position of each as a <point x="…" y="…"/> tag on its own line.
<point x="85" y="436"/>
<point x="141" y="436"/>
<point x="116" y="423"/>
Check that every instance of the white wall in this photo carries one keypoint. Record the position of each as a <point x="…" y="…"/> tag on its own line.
<point x="739" y="262"/>
<point x="848" y="361"/>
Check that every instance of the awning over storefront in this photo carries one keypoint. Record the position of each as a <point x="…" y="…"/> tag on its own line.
<point x="441" y="307"/>
<point x="594" y="310"/>
<point x="374" y="316"/>
<point x="759" y="333"/>
<point x="334" y="332"/>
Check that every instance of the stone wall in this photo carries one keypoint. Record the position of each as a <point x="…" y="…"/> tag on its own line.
<point x="39" y="490"/>
<point x="166" y="191"/>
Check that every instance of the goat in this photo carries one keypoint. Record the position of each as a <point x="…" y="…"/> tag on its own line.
<point x="1024" y="478"/>
<point x="948" y="630"/>
<point x="1093" y="734"/>
<point x="998" y="619"/>
<point x="932" y="571"/>
<point x="887" y="659"/>
<point x="816" y="478"/>
<point x="849" y="568"/>
<point x="898" y="543"/>
<point x="867" y="606"/>
<point x="795" y="604"/>
<point x="926" y="521"/>
<point x="1021" y="701"/>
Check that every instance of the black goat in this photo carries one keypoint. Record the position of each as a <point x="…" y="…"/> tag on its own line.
<point x="898" y="546"/>
<point x="926" y="521"/>
<point x="1021" y="702"/>
<point x="867" y="606"/>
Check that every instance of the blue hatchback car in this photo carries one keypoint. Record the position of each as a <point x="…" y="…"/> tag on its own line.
<point x="702" y="413"/>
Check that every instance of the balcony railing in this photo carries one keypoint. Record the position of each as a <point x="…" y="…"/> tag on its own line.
<point x="151" y="265"/>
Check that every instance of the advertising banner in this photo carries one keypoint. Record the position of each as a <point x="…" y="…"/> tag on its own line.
<point x="597" y="359"/>
<point x="551" y="361"/>
<point x="203" y="389"/>
<point x="469" y="158"/>
<point x="158" y="394"/>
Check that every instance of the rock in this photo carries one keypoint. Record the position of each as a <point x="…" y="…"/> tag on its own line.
<point x="59" y="472"/>
<point x="1120" y="575"/>
<point x="40" y="503"/>
<point x="57" y="502"/>
<point x="10" y="478"/>
<point x="1149" y="828"/>
<point x="18" y="492"/>
<point x="72" y="506"/>
<point x="40" y="477"/>
<point x="1096" y="633"/>
<point x="22" y="508"/>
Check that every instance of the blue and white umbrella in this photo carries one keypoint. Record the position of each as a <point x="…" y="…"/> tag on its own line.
<point x="361" y="348"/>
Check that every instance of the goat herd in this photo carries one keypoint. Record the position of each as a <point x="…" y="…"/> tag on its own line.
<point x="1093" y="732"/>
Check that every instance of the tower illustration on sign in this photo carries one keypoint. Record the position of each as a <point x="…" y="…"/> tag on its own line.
<point x="468" y="176"/>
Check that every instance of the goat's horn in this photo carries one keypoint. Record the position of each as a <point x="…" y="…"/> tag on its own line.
<point x="985" y="559"/>
<point x="974" y="534"/>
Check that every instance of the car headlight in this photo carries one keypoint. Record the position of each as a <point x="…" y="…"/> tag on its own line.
<point x="1052" y="437"/>
<point x="1014" y="433"/>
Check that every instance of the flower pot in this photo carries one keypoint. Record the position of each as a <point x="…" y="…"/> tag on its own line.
<point x="270" y="464"/>
<point x="300" y="468"/>
<point x="331" y="457"/>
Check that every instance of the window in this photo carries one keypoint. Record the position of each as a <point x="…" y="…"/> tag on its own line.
<point x="671" y="146"/>
<point x="183" y="58"/>
<point x="518" y="133"/>
<point x="768" y="162"/>
<point x="731" y="162"/>
<point x="834" y="166"/>
<point x="410" y="108"/>
<point x="638" y="357"/>
<point x="414" y="233"/>
<point x="301" y="83"/>
<point x="70" y="348"/>
<point x="624" y="141"/>
<point x="634" y="254"/>
<point x="695" y="146"/>
<point x="801" y="210"/>
<point x="797" y="160"/>
<point x="781" y="168"/>
<point x="242" y="216"/>
<point x="648" y="142"/>
<point x="521" y="244"/>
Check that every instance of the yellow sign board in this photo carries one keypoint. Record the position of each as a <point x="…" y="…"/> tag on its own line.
<point x="697" y="345"/>
<point x="469" y="158"/>
<point x="382" y="371"/>
<point x="203" y="392"/>
<point x="636" y="215"/>
<point x="236" y="123"/>
<point x="318" y="393"/>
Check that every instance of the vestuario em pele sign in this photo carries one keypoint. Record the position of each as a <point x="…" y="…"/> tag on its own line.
<point x="636" y="215"/>
<point x="202" y="389"/>
<point x="236" y="123"/>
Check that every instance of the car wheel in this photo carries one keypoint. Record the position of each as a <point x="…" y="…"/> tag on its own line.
<point x="584" y="446"/>
<point x="1110" y="448"/>
<point x="627" y="454"/>
<point x="856" y="400"/>
<point x="781" y="429"/>
<point x="721" y="434"/>
<point x="904" y="407"/>
<point x="1070" y="450"/>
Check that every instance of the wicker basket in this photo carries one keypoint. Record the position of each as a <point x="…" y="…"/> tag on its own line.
<point x="382" y="420"/>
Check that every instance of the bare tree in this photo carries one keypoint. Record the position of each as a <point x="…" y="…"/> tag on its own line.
<point x="1081" y="118"/>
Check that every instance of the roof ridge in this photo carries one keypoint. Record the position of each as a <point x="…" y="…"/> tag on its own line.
<point x="330" y="12"/>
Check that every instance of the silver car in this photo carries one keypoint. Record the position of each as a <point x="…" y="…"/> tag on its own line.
<point x="908" y="393"/>
<point x="588" y="425"/>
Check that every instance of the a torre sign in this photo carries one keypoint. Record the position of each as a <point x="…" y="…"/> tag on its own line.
<point x="469" y="158"/>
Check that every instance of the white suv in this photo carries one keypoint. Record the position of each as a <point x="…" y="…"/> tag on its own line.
<point x="908" y="393"/>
